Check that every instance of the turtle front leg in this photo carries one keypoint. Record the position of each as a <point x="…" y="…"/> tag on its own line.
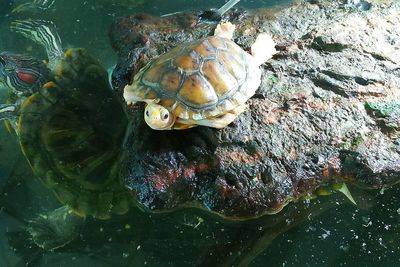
<point x="8" y="112"/>
<point x="224" y="120"/>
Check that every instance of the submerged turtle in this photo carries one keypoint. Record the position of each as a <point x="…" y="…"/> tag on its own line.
<point x="205" y="82"/>
<point x="23" y="74"/>
<point x="71" y="144"/>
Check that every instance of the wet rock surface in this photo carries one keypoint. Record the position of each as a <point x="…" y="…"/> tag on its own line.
<point x="328" y="110"/>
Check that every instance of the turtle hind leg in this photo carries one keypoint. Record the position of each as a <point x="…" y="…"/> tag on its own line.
<point x="225" y="30"/>
<point x="222" y="121"/>
<point x="43" y="33"/>
<point x="263" y="48"/>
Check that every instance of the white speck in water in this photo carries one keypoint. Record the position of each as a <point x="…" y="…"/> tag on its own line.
<point x="398" y="211"/>
<point x="326" y="234"/>
<point x="110" y="239"/>
<point x="311" y="229"/>
<point x="125" y="255"/>
<point x="381" y="243"/>
<point x="138" y="247"/>
<point x="345" y="247"/>
<point x="101" y="229"/>
<point x="368" y="224"/>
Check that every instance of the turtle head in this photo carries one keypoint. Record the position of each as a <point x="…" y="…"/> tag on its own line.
<point x="158" y="117"/>
<point x="22" y="74"/>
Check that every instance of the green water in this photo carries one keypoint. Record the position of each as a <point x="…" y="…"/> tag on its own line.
<point x="328" y="231"/>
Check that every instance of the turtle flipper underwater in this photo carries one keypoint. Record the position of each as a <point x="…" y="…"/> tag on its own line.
<point x="43" y="33"/>
<point x="71" y="130"/>
<point x="35" y="5"/>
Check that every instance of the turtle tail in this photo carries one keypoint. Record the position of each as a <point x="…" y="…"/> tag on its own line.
<point x="43" y="33"/>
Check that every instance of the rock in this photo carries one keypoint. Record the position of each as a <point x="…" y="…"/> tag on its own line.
<point x="327" y="111"/>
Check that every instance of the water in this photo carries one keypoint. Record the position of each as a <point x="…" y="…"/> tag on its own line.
<point x="328" y="231"/>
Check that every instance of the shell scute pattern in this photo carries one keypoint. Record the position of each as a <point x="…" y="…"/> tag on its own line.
<point x="189" y="62"/>
<point x="204" y="49"/>
<point x="171" y="81"/>
<point x="199" y="80"/>
<point x="219" y="78"/>
<point x="196" y="92"/>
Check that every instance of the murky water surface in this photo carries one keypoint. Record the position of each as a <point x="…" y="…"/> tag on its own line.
<point x="328" y="231"/>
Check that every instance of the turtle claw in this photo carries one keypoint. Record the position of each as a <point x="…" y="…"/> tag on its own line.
<point x="34" y="6"/>
<point x="22" y="27"/>
<point x="43" y="33"/>
<point x="25" y="7"/>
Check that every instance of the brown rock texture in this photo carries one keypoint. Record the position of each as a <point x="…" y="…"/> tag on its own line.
<point x="328" y="110"/>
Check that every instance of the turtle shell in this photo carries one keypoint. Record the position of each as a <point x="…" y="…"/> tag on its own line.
<point x="71" y="132"/>
<point x="200" y="80"/>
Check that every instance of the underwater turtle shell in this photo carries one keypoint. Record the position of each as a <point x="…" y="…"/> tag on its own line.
<point x="71" y="132"/>
<point x="201" y="79"/>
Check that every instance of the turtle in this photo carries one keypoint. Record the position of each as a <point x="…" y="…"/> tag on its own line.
<point x="24" y="74"/>
<point x="70" y="125"/>
<point x="205" y="82"/>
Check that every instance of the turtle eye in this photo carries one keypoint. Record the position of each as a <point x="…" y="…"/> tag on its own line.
<point x="147" y="113"/>
<point x="164" y="114"/>
<point x="29" y="78"/>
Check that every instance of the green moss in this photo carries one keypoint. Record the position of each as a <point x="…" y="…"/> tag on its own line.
<point x="272" y="79"/>
<point x="383" y="109"/>
<point x="357" y="141"/>
<point x="351" y="143"/>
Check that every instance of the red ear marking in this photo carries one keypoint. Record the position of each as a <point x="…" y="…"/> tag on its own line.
<point x="27" y="77"/>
